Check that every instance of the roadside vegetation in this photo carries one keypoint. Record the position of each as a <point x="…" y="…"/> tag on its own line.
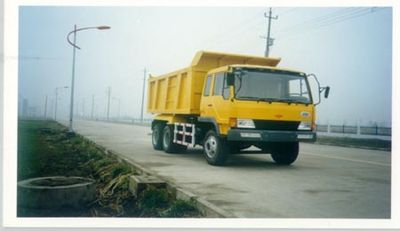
<point x="45" y="148"/>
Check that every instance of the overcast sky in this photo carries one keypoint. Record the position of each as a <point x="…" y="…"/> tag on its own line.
<point x="349" y="49"/>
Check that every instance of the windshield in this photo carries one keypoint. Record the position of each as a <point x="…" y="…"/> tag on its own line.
<point x="272" y="86"/>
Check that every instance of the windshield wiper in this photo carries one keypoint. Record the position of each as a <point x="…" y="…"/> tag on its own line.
<point x="270" y="100"/>
<point x="258" y="99"/>
<point x="251" y="98"/>
<point x="295" y="101"/>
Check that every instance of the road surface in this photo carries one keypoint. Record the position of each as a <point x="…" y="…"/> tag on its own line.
<point x="325" y="181"/>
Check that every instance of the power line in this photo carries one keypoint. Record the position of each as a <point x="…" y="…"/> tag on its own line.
<point x="318" y="19"/>
<point x="38" y="58"/>
<point x="243" y="26"/>
<point x="339" y="17"/>
<point x="290" y="10"/>
<point x="371" y="10"/>
<point x="333" y="19"/>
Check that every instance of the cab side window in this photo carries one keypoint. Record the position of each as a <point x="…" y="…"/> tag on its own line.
<point x="208" y="86"/>
<point x="225" y="88"/>
<point x="218" y="83"/>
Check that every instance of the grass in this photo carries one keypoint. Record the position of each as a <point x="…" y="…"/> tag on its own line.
<point x="45" y="148"/>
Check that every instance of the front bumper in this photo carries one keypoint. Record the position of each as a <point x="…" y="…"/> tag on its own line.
<point x="270" y="136"/>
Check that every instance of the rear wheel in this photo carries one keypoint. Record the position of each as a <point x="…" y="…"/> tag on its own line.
<point x="285" y="153"/>
<point x="167" y="141"/>
<point x="215" y="148"/>
<point x="157" y="137"/>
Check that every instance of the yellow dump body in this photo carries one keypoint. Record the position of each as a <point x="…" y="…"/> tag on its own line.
<point x="180" y="92"/>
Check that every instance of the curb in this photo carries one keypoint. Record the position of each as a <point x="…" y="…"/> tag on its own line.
<point x="205" y="207"/>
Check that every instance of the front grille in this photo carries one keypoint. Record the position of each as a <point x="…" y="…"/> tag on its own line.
<point x="276" y="125"/>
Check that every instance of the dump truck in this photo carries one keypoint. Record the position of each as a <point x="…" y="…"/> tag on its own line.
<point x="229" y="102"/>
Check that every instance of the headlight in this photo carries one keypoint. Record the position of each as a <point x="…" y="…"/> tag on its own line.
<point x="245" y="123"/>
<point x="304" y="126"/>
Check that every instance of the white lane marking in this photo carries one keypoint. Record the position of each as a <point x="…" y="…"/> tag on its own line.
<point x="349" y="159"/>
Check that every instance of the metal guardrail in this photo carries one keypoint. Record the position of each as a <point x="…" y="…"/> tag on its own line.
<point x="360" y="130"/>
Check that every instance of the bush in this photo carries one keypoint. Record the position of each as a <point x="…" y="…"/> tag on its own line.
<point x="181" y="208"/>
<point x="152" y="201"/>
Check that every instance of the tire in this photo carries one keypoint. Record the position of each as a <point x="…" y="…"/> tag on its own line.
<point x="156" y="137"/>
<point x="168" y="141"/>
<point x="215" y="149"/>
<point x="285" y="153"/>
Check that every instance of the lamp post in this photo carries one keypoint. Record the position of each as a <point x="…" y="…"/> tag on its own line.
<point x="108" y="102"/>
<point x="73" y="44"/>
<point x="55" y="107"/>
<point x="144" y="84"/>
<point x="45" y="109"/>
<point x="91" y="114"/>
<point x="119" y="106"/>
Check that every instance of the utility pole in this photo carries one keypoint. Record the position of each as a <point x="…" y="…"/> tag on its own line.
<point x="83" y="108"/>
<point x="144" y="84"/>
<point x="108" y="103"/>
<point x="91" y="114"/>
<point x="269" y="40"/>
<point x="55" y="109"/>
<point x="119" y="106"/>
<point x="51" y="109"/>
<point x="45" y="109"/>
<point x="19" y="105"/>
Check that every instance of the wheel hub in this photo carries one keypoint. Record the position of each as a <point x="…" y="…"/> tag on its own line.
<point x="211" y="147"/>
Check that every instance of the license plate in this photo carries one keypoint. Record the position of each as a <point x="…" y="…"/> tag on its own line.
<point x="250" y="135"/>
<point x="304" y="136"/>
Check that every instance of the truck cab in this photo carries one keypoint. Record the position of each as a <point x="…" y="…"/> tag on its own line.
<point x="260" y="106"/>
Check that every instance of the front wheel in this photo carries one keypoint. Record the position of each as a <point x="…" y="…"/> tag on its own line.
<point x="215" y="148"/>
<point x="285" y="153"/>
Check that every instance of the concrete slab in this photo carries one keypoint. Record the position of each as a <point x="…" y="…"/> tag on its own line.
<point x="139" y="183"/>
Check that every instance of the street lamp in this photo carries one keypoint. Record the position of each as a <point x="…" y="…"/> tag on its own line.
<point x="144" y="84"/>
<point x="55" y="108"/>
<point x="73" y="44"/>
<point x="119" y="106"/>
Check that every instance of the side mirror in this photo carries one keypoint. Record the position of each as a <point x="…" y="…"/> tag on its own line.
<point x="230" y="79"/>
<point x="320" y="89"/>
<point x="327" y="89"/>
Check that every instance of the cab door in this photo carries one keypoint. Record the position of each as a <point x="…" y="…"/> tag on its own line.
<point x="221" y="105"/>
<point x="215" y="104"/>
<point x="206" y="104"/>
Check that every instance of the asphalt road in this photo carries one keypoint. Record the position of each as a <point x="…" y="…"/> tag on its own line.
<point x="324" y="182"/>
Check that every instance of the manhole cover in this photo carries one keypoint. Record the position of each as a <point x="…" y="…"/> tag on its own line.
<point x="56" y="192"/>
